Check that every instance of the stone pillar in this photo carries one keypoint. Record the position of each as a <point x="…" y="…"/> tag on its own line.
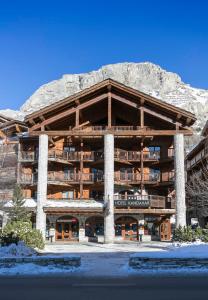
<point x="82" y="237"/>
<point x="4" y="218"/>
<point x="42" y="183"/>
<point x="109" y="231"/>
<point x="180" y="180"/>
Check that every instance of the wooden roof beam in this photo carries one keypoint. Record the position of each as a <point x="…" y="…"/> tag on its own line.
<point x="124" y="100"/>
<point x="142" y="132"/>
<point x="18" y="129"/>
<point x="69" y="112"/>
<point x="31" y="121"/>
<point x="158" y="115"/>
<point x="2" y="134"/>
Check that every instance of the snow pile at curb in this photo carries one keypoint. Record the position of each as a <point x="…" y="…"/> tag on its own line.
<point x="31" y="269"/>
<point x="19" y="250"/>
<point x="194" y="250"/>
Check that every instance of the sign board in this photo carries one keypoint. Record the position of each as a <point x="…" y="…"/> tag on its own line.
<point x="194" y="221"/>
<point x="141" y="222"/>
<point x="73" y="220"/>
<point x="132" y="203"/>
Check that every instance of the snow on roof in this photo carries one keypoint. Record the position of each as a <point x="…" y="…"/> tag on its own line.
<point x="73" y="203"/>
<point x="30" y="203"/>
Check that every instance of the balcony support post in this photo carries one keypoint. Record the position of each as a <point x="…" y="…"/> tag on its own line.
<point x="109" y="107"/>
<point x="81" y="170"/>
<point x="42" y="183"/>
<point x="180" y="180"/>
<point x="109" y="232"/>
<point x="142" y="166"/>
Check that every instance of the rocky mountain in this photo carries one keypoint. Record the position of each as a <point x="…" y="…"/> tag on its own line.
<point x="146" y="77"/>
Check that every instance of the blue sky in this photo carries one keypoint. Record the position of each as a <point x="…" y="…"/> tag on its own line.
<point x="41" y="40"/>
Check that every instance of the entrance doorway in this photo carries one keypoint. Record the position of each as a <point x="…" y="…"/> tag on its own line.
<point x="67" y="229"/>
<point x="127" y="228"/>
<point x="94" y="226"/>
<point x="165" y="230"/>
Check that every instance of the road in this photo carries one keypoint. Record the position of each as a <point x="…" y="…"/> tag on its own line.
<point x="147" y="288"/>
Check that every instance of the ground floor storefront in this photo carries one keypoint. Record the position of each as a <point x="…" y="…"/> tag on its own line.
<point x="86" y="227"/>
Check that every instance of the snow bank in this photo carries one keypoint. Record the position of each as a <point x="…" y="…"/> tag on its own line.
<point x="20" y="250"/>
<point x="31" y="269"/>
<point x="194" y="250"/>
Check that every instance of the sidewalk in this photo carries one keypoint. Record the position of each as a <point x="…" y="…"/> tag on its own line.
<point x="105" y="260"/>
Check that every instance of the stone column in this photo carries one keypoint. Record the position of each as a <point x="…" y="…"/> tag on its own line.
<point x="82" y="237"/>
<point x="180" y="180"/>
<point x="42" y="183"/>
<point x="109" y="231"/>
<point x="4" y="217"/>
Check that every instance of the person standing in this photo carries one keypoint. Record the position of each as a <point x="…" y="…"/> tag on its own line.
<point x="141" y="232"/>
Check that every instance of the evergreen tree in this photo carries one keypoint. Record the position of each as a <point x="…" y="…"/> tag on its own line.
<point x="18" y="211"/>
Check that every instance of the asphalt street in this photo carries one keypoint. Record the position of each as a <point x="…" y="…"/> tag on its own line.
<point x="132" y="287"/>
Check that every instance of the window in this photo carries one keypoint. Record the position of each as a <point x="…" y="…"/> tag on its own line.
<point x="68" y="195"/>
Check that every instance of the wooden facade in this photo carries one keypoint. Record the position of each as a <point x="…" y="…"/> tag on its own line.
<point x="143" y="128"/>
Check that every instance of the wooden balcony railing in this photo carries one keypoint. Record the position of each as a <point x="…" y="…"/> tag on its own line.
<point x="145" y="201"/>
<point x="168" y="176"/>
<point x="57" y="154"/>
<point x="28" y="156"/>
<point x="106" y="128"/>
<point x="133" y="201"/>
<point x="119" y="154"/>
<point x="119" y="177"/>
<point x="70" y="177"/>
<point x="28" y="179"/>
<point x="136" y="177"/>
<point x="6" y="195"/>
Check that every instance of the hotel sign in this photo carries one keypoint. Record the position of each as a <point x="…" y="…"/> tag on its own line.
<point x="132" y="203"/>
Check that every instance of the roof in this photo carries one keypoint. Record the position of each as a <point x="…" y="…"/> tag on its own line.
<point x="12" y="123"/>
<point x="4" y="119"/>
<point x="196" y="149"/>
<point x="205" y="129"/>
<point x="138" y="95"/>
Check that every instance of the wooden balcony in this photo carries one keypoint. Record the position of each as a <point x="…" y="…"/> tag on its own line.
<point x="60" y="177"/>
<point x="132" y="201"/>
<point x="5" y="195"/>
<point x="168" y="177"/>
<point x="103" y="128"/>
<point x="76" y="178"/>
<point x="71" y="156"/>
<point x="27" y="156"/>
<point x="135" y="178"/>
<point x="147" y="201"/>
<point x="91" y="156"/>
<point x="28" y="179"/>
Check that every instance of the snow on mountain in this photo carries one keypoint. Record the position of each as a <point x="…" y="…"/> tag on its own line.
<point x="146" y="77"/>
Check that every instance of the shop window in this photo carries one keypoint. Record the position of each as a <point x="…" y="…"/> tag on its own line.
<point x="118" y="230"/>
<point x="68" y="195"/>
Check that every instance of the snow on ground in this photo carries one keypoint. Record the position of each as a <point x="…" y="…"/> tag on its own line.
<point x="30" y="269"/>
<point x="128" y="247"/>
<point x="19" y="250"/>
<point x="194" y="250"/>
<point x="104" y="260"/>
<point x="111" y="260"/>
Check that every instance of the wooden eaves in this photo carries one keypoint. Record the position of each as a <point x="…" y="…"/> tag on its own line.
<point x="89" y="96"/>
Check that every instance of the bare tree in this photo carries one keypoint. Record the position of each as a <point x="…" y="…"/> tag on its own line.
<point x="197" y="190"/>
